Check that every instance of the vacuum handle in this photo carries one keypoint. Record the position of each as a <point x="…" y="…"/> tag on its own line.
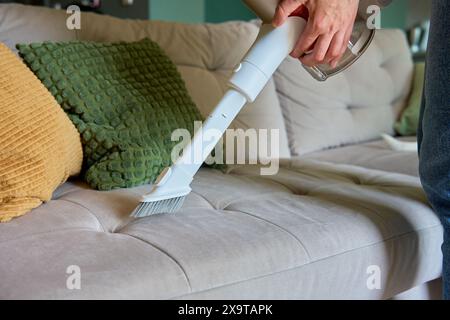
<point x="209" y="135"/>
<point x="271" y="47"/>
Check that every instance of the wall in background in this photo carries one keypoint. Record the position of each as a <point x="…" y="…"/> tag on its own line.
<point x="190" y="11"/>
<point x="225" y="10"/>
<point x="400" y="14"/>
<point x="139" y="10"/>
<point x="395" y="15"/>
<point x="195" y="11"/>
<point x="406" y="13"/>
<point x="417" y="11"/>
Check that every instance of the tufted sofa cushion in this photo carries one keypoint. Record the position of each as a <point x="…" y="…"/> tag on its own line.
<point x="204" y="54"/>
<point x="376" y="155"/>
<point x="355" y="106"/>
<point x="312" y="231"/>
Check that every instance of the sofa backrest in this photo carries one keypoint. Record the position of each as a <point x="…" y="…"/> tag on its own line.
<point x="353" y="107"/>
<point x="26" y="24"/>
<point x="205" y="54"/>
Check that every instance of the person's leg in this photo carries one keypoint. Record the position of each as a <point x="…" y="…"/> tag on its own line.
<point x="434" y="133"/>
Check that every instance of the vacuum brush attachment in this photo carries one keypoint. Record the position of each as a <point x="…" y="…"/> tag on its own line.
<point x="270" y="49"/>
<point x="164" y="197"/>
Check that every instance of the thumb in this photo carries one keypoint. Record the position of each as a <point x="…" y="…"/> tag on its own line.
<point x="284" y="10"/>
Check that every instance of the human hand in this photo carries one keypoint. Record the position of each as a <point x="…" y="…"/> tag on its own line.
<point x="327" y="32"/>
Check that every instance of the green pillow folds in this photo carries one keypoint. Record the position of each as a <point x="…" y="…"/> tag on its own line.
<point x="126" y="99"/>
<point x="409" y="120"/>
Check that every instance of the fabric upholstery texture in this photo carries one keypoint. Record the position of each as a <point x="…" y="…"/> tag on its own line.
<point x="39" y="146"/>
<point x="126" y="99"/>
<point x="409" y="120"/>
<point x="372" y="155"/>
<point x="355" y="106"/>
<point x="309" y="232"/>
<point x="22" y="24"/>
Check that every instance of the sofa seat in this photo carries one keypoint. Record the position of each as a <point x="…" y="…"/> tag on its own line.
<point x="310" y="232"/>
<point x="372" y="155"/>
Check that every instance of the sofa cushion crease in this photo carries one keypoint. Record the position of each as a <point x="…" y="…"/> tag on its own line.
<point x="196" y="223"/>
<point x="305" y="288"/>
<point x="156" y="276"/>
<point x="223" y="247"/>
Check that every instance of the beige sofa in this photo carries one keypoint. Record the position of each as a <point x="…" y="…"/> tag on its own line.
<point x="343" y="209"/>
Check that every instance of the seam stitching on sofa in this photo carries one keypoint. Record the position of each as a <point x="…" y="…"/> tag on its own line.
<point x="166" y="254"/>
<point x="204" y="68"/>
<point x="211" y="47"/>
<point x="253" y="198"/>
<point x="317" y="93"/>
<point x="310" y="192"/>
<point x="304" y="197"/>
<point x="204" y="198"/>
<point x="89" y="210"/>
<point x="280" y="228"/>
<point x="312" y="262"/>
<point x="285" y="96"/>
<point x="292" y="190"/>
<point x="47" y="232"/>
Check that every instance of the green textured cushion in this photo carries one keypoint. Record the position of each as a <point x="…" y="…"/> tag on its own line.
<point x="409" y="121"/>
<point x="126" y="99"/>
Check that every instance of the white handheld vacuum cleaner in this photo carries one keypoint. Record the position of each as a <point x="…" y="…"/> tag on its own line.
<point x="270" y="49"/>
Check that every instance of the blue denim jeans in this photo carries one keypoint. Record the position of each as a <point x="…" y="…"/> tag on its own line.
<point x="434" y="130"/>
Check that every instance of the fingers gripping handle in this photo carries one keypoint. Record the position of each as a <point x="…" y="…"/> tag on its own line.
<point x="270" y="49"/>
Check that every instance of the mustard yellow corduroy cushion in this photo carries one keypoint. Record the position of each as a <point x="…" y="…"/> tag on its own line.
<point x="39" y="146"/>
